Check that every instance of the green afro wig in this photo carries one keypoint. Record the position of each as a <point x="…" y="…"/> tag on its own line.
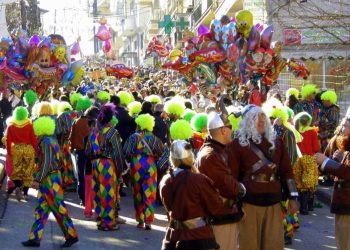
<point x="174" y="107"/>
<point x="30" y="97"/>
<point x="308" y="90"/>
<point x="199" y="122"/>
<point x="20" y="114"/>
<point x="234" y="121"/>
<point x="74" y="97"/>
<point x="181" y="130"/>
<point x="292" y="91"/>
<point x="103" y="96"/>
<point x="145" y="122"/>
<point x="134" y="108"/>
<point x="83" y="103"/>
<point x="188" y="114"/>
<point x="64" y="106"/>
<point x="44" y="126"/>
<point x="290" y="113"/>
<point x="154" y="99"/>
<point x="115" y="121"/>
<point x="329" y="95"/>
<point x="125" y="98"/>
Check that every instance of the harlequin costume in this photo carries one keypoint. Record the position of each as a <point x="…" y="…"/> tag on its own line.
<point x="103" y="148"/>
<point x="305" y="169"/>
<point x="329" y="118"/>
<point x="50" y="193"/>
<point x="143" y="149"/>
<point x="21" y="145"/>
<point x="65" y="121"/>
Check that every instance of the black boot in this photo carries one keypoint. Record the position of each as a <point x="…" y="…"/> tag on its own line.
<point x="31" y="243"/>
<point x="69" y="242"/>
<point x="304" y="197"/>
<point x="310" y="202"/>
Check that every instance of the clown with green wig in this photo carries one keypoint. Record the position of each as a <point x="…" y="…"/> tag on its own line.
<point x="66" y="117"/>
<point x="199" y="126"/>
<point x="308" y="103"/>
<point x="21" y="145"/>
<point x="48" y="181"/>
<point x="329" y="117"/>
<point x="143" y="149"/>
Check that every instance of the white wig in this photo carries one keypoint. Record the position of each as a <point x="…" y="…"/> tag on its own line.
<point x="248" y="127"/>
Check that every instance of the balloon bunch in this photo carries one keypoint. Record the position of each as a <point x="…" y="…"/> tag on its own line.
<point x="298" y="69"/>
<point x="157" y="48"/>
<point x="41" y="62"/>
<point x="104" y="34"/>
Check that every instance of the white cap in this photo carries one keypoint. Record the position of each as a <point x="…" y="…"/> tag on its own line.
<point x="214" y="121"/>
<point x="180" y="149"/>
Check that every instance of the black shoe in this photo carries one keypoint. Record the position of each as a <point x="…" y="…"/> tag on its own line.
<point x="288" y="241"/>
<point x="122" y="192"/>
<point x="31" y="243"/>
<point x="148" y="227"/>
<point x="69" y="242"/>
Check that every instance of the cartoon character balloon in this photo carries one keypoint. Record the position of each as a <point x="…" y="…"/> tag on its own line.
<point x="60" y="54"/>
<point x="244" y="22"/>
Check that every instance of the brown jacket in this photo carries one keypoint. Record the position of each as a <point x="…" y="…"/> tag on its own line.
<point x="341" y="193"/>
<point x="241" y="159"/>
<point x="80" y="129"/>
<point x="212" y="161"/>
<point x="187" y="196"/>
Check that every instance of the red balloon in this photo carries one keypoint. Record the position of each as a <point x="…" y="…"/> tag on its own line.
<point x="208" y="55"/>
<point x="266" y="37"/>
<point x="232" y="53"/>
<point x="254" y="39"/>
<point x="107" y="46"/>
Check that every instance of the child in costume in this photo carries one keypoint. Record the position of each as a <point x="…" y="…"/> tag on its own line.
<point x="143" y="149"/>
<point x="104" y="150"/>
<point x="305" y="169"/>
<point x="48" y="181"/>
<point x="65" y="121"/>
<point x="21" y="145"/>
<point x="199" y="126"/>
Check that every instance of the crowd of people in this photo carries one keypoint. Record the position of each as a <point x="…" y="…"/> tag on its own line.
<point x="223" y="169"/>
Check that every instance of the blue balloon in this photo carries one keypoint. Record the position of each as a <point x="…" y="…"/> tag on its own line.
<point x="67" y="77"/>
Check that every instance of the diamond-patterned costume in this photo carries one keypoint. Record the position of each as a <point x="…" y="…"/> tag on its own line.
<point x="104" y="150"/>
<point x="65" y="122"/>
<point x="50" y="194"/>
<point x="143" y="172"/>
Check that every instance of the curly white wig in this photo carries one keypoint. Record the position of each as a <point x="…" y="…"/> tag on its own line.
<point x="248" y="131"/>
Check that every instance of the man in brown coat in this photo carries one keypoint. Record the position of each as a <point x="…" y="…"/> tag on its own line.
<point x="264" y="168"/>
<point x="212" y="161"/>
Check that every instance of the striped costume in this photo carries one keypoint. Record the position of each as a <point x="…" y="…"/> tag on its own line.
<point x="312" y="108"/>
<point x="104" y="149"/>
<point x="50" y="194"/>
<point x="65" y="122"/>
<point x="143" y="172"/>
<point x="329" y="120"/>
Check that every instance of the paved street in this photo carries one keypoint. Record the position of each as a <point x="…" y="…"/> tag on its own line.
<point x="316" y="231"/>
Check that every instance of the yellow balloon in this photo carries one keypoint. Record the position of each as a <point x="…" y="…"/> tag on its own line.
<point x="244" y="22"/>
<point x="60" y="54"/>
<point x="77" y="77"/>
<point x="175" y="54"/>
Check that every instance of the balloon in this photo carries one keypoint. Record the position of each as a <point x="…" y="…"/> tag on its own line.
<point x="259" y="27"/>
<point x="3" y="63"/>
<point x="253" y="40"/>
<point x="244" y="22"/>
<point x="76" y="65"/>
<point x="45" y="42"/>
<point x="78" y="75"/>
<point x="208" y="55"/>
<point x="60" y="54"/>
<point x="202" y="29"/>
<point x="175" y="54"/>
<point x="207" y="72"/>
<point x="298" y="68"/>
<point x="232" y="32"/>
<point x="75" y="49"/>
<point x="107" y="46"/>
<point x="279" y="62"/>
<point x="266" y="36"/>
<point x="103" y="33"/>
<point x="34" y="40"/>
<point x="61" y="69"/>
<point x="44" y="73"/>
<point x="67" y="77"/>
<point x="232" y="53"/>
